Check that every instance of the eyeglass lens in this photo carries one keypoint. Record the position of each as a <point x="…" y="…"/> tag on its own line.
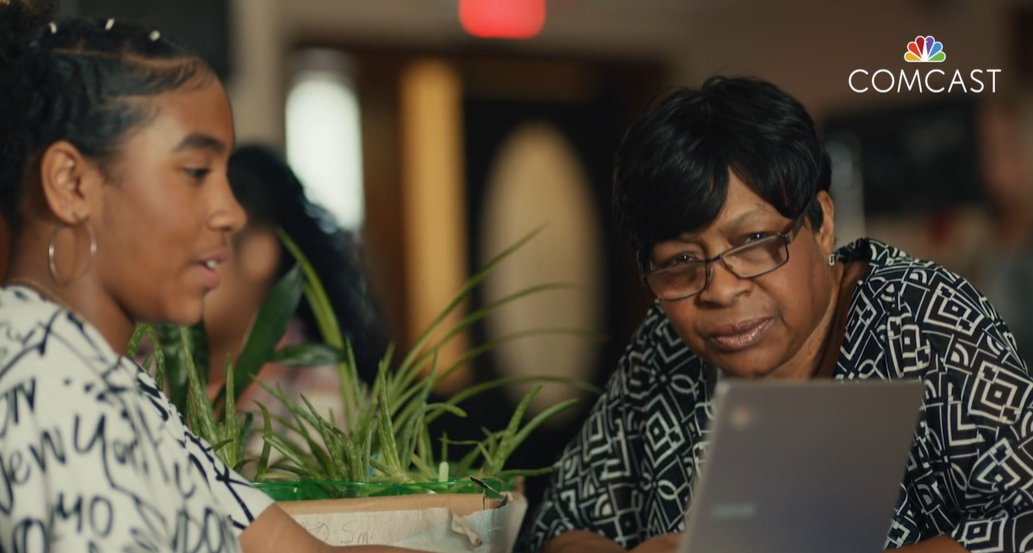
<point x="747" y="261"/>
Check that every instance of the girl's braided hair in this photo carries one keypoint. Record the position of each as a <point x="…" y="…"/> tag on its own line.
<point x="78" y="80"/>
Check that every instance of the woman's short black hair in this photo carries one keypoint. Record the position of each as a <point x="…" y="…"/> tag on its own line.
<point x="71" y="79"/>
<point x="671" y="171"/>
<point x="274" y="198"/>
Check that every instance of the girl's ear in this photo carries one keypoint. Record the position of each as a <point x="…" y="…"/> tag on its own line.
<point x="69" y="182"/>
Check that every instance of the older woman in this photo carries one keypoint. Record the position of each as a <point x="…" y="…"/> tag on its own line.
<point x="113" y="152"/>
<point x="723" y="191"/>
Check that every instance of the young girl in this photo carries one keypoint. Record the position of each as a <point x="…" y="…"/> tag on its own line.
<point x="113" y="149"/>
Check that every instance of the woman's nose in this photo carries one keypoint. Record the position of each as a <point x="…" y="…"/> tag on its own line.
<point x="723" y="286"/>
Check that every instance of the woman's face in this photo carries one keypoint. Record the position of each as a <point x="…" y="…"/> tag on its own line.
<point x="767" y="325"/>
<point x="165" y="217"/>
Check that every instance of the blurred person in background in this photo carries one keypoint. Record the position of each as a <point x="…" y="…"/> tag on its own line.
<point x="1006" y="266"/>
<point x="274" y="198"/>
<point x="723" y="193"/>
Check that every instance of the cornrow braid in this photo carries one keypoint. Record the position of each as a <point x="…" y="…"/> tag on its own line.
<point x="71" y="80"/>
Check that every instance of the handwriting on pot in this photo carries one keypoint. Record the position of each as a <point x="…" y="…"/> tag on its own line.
<point x="350" y="532"/>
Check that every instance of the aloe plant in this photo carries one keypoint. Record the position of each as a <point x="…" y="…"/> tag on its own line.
<point x="385" y="436"/>
<point x="178" y="352"/>
<point x="180" y="358"/>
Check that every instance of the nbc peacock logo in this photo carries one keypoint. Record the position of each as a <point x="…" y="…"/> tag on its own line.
<point x="924" y="49"/>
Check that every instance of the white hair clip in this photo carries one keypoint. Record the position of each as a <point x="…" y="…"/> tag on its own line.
<point x="154" y="36"/>
<point x="53" y="28"/>
<point x="110" y="24"/>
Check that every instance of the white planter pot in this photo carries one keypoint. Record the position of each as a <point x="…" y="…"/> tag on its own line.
<point x="445" y="523"/>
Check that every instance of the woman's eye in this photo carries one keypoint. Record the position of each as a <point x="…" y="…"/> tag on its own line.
<point x="681" y="258"/>
<point x="198" y="173"/>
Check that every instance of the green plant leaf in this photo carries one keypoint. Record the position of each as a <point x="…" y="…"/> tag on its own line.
<point x="493" y="463"/>
<point x="308" y="355"/>
<point x="169" y="341"/>
<point x="296" y="412"/>
<point x="426" y="471"/>
<point x="244" y="434"/>
<point x="159" y="358"/>
<point x="472" y="318"/>
<point x="199" y="350"/>
<point x="305" y="466"/>
<point x="515" y="441"/>
<point x="134" y="340"/>
<point x="406" y="366"/>
<point x="199" y="410"/>
<point x="352" y="390"/>
<point x="385" y="437"/>
<point x="222" y="444"/>
<point x="315" y="293"/>
<point x="492" y="344"/>
<point x="467" y="461"/>
<point x="471" y="391"/>
<point x="267" y="432"/>
<point x="266" y="329"/>
<point x="386" y="431"/>
<point x="335" y="466"/>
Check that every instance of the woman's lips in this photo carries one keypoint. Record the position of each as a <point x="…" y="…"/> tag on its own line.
<point x="740" y="335"/>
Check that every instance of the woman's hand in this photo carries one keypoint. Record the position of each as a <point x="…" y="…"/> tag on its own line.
<point x="581" y="541"/>
<point x="667" y="543"/>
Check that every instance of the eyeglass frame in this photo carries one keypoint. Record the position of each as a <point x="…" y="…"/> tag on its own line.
<point x="787" y="236"/>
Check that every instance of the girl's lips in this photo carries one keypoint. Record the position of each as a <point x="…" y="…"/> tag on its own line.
<point x="740" y="335"/>
<point x="209" y="276"/>
<point x="209" y="264"/>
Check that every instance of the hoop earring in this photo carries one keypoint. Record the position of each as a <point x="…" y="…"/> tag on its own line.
<point x="53" y="264"/>
<point x="832" y="259"/>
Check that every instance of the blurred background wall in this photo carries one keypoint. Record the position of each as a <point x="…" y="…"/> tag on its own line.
<point x="442" y="148"/>
<point x="803" y="45"/>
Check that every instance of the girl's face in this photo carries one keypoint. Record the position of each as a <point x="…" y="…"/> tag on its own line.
<point x="164" y="219"/>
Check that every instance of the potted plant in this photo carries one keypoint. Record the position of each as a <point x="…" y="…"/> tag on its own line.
<point x="380" y="477"/>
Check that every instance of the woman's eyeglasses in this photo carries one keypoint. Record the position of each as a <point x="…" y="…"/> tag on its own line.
<point x="749" y="260"/>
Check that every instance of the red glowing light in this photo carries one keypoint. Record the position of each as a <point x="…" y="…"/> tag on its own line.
<point x="502" y="18"/>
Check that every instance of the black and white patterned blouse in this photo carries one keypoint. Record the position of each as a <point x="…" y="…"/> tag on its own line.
<point x="629" y="472"/>
<point x="92" y="455"/>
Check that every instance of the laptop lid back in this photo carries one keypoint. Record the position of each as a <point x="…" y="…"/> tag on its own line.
<point x="799" y="467"/>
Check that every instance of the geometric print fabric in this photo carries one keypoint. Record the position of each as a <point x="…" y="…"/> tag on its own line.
<point x="629" y="473"/>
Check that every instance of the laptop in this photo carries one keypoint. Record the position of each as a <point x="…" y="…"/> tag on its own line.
<point x="802" y="467"/>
